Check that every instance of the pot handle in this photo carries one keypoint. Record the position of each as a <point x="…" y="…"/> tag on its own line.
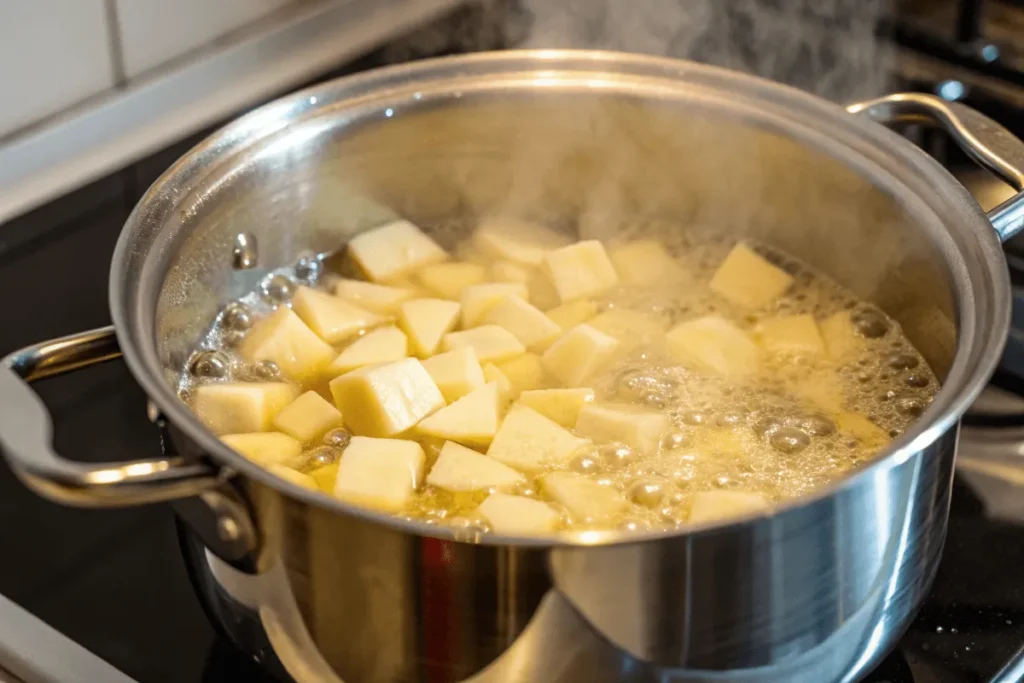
<point x="26" y="435"/>
<point x="984" y="140"/>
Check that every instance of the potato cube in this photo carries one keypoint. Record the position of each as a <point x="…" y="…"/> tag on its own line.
<point x="822" y="391"/>
<point x="517" y="515"/>
<point x="385" y="400"/>
<point x="561" y="405"/>
<point x="240" y="407"/>
<point x="505" y="391"/>
<point x="585" y="499"/>
<point x="862" y="429"/>
<point x="372" y="297"/>
<point x="293" y="476"/>
<point x="489" y="343"/>
<point x="391" y="251"/>
<point x="580" y="270"/>
<point x="380" y="473"/>
<point x="840" y="336"/>
<point x="472" y="420"/>
<point x="529" y="442"/>
<point x="710" y="506"/>
<point x="542" y="292"/>
<point x="332" y="318"/>
<point x="325" y="477"/>
<point x="646" y="263"/>
<point x="461" y="469"/>
<point x="266" y="448"/>
<point x="283" y="338"/>
<point x="569" y="315"/>
<point x="517" y="241"/>
<point x="308" y="417"/>
<point x="639" y="429"/>
<point x="426" y="321"/>
<point x="747" y="279"/>
<point x="523" y="372"/>
<point x="386" y="345"/>
<point x="509" y="271"/>
<point x="526" y="322"/>
<point x="578" y="354"/>
<point x="715" y="345"/>
<point x="447" y="280"/>
<point x="478" y="300"/>
<point x="631" y="328"/>
<point x="456" y="373"/>
<point x="791" y="334"/>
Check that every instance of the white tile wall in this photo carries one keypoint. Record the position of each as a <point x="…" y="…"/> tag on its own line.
<point x="53" y="53"/>
<point x="154" y="31"/>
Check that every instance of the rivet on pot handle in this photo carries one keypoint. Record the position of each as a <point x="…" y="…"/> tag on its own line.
<point x="26" y="435"/>
<point x="984" y="140"/>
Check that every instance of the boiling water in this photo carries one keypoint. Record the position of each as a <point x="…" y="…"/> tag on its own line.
<point x="756" y="436"/>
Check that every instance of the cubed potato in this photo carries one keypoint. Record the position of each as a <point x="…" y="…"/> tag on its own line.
<point x="578" y="354"/>
<point x="710" y="506"/>
<point x="283" y="338"/>
<point x="840" y="336"/>
<point x="516" y="240"/>
<point x="529" y="442"/>
<point x="332" y="318"/>
<point x="631" y="328"/>
<point x="386" y="345"/>
<point x="580" y="270"/>
<point x="478" y="300"/>
<point x="325" y="477"/>
<point x="266" y="448"/>
<point x="389" y="252"/>
<point x="573" y="313"/>
<point x="560" y="405"/>
<point x="456" y="373"/>
<point x="517" y="515"/>
<point x="586" y="500"/>
<point x="240" y="407"/>
<point x="447" y="280"/>
<point x="460" y="469"/>
<point x="385" y="400"/>
<point x="294" y="476"/>
<point x="510" y="271"/>
<point x="646" y="263"/>
<point x="526" y="322"/>
<point x="308" y="417"/>
<point x="373" y="297"/>
<point x="524" y="372"/>
<point x="505" y="391"/>
<point x="823" y="391"/>
<point x="490" y="343"/>
<point x="380" y="473"/>
<point x="639" y="429"/>
<point x="541" y="290"/>
<point x="426" y="321"/>
<point x="747" y="279"/>
<point x="861" y="428"/>
<point x="791" y="334"/>
<point x="714" y="344"/>
<point x="472" y="420"/>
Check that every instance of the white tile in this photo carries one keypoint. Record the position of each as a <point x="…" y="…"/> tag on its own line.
<point x="155" y="31"/>
<point x="53" y="53"/>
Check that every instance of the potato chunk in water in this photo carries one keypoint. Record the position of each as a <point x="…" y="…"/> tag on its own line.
<point x="534" y="385"/>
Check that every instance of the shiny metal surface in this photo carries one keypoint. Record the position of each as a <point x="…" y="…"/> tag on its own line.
<point x="589" y="142"/>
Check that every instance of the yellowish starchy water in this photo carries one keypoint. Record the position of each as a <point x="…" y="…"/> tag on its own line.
<point x="803" y="420"/>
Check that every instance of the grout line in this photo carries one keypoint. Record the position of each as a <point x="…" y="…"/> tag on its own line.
<point x="116" y="50"/>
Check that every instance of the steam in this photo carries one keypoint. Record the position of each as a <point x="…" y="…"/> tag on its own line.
<point x="828" y="47"/>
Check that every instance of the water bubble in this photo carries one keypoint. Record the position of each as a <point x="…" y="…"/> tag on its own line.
<point x="693" y="417"/>
<point x="672" y="440"/>
<point x="616" y="454"/>
<point x="634" y="525"/>
<point x="887" y="395"/>
<point x="209" y="365"/>
<point x="278" y="289"/>
<point x="724" y="481"/>
<point x="648" y="492"/>
<point x="789" y="440"/>
<point x="266" y="370"/>
<point x="895" y="433"/>
<point x="647" y="386"/>
<point x="818" y="425"/>
<point x="232" y="338"/>
<point x="338" y="438"/>
<point x="916" y="381"/>
<point x="236" y="316"/>
<point x="185" y="394"/>
<point x="321" y="456"/>
<point x="584" y="463"/>
<point x="308" y="270"/>
<point x="870" y="323"/>
<point x="903" y="361"/>
<point x="766" y="425"/>
<point x="731" y="418"/>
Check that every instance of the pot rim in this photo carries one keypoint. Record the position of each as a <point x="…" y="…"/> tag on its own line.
<point x="979" y="342"/>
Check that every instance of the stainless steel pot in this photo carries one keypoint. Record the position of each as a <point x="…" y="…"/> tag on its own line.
<point x="589" y="141"/>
